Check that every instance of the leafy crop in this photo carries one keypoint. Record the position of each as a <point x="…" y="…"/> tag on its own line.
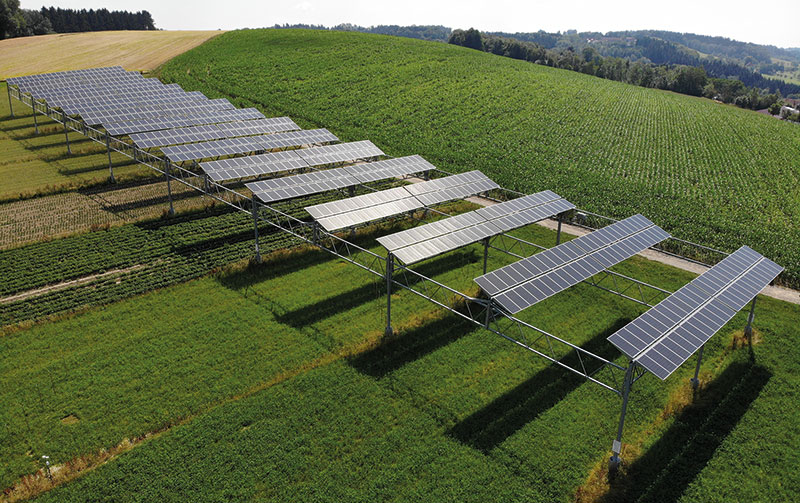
<point x="706" y="172"/>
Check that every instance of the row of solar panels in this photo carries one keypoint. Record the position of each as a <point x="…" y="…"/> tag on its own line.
<point x="660" y="340"/>
<point x="126" y="103"/>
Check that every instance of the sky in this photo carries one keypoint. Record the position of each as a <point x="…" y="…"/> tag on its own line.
<point x="746" y="21"/>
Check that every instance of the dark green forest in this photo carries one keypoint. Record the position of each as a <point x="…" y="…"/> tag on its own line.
<point x="17" y="22"/>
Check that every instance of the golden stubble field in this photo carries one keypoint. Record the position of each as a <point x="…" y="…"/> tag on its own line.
<point x="133" y="50"/>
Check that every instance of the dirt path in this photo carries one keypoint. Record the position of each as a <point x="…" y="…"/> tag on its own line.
<point x="66" y="284"/>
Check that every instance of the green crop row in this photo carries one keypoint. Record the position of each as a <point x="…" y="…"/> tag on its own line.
<point x="706" y="172"/>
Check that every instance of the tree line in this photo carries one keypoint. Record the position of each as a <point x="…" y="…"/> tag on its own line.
<point x="684" y="79"/>
<point x="17" y="22"/>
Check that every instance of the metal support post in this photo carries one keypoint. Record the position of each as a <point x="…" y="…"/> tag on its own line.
<point x="10" y="108"/>
<point x="108" y="151"/>
<point x="35" y="124"/>
<point x="748" y="330"/>
<point x="315" y="236"/>
<point x="488" y="313"/>
<point x="558" y="234"/>
<point x="255" y="227"/>
<point x="616" y="447"/>
<point x="389" y="271"/>
<point x="66" y="132"/>
<point x="695" y="380"/>
<point x="485" y="254"/>
<point x="169" y="187"/>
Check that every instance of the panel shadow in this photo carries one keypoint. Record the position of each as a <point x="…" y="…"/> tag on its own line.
<point x="667" y="468"/>
<point x="490" y="426"/>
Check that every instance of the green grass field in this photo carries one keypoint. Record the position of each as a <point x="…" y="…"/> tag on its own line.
<point x="276" y="383"/>
<point x="706" y="172"/>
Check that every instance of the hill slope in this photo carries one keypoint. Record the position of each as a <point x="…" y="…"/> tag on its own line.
<point x="707" y="172"/>
<point x="135" y="50"/>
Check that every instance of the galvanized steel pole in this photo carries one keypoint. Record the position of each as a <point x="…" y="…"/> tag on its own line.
<point x="748" y="330"/>
<point x="255" y="227"/>
<point x="66" y="132"/>
<point x="616" y="447"/>
<point x="695" y="380"/>
<point x="169" y="187"/>
<point x="389" y="270"/>
<point x="10" y="108"/>
<point x="108" y="151"/>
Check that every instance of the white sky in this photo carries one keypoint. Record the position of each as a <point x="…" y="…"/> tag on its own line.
<point x="746" y="21"/>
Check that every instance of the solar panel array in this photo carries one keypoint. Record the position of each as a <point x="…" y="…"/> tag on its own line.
<point x="289" y="187"/>
<point x="212" y="132"/>
<point x="241" y="145"/>
<point x="256" y="165"/>
<point x="239" y="114"/>
<point x="531" y="280"/>
<point x="126" y="103"/>
<point x="664" y="337"/>
<point x="313" y="183"/>
<point x="429" y="240"/>
<point x="370" y="207"/>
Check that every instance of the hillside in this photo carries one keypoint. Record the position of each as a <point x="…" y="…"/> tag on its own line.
<point x="707" y="172"/>
<point x="134" y="50"/>
<point x="152" y="360"/>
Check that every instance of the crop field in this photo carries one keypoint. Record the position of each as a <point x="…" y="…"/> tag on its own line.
<point x="709" y="173"/>
<point x="152" y="360"/>
<point x="275" y="382"/>
<point x="133" y="50"/>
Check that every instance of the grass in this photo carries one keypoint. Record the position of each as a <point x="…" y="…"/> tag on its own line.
<point x="721" y="176"/>
<point x="133" y="50"/>
<point x="276" y="383"/>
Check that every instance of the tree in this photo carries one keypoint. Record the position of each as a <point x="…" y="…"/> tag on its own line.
<point x="775" y="108"/>
<point x="9" y="18"/>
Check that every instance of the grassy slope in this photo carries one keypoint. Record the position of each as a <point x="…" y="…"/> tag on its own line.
<point x="286" y="391"/>
<point x="134" y="50"/>
<point x="711" y="173"/>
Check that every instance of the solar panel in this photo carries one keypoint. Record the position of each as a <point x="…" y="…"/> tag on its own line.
<point x="215" y="148"/>
<point x="212" y="132"/>
<point x="300" y="185"/>
<point x="254" y="165"/>
<point x="296" y="138"/>
<point x="665" y="336"/>
<point x="426" y="241"/>
<point x="381" y="170"/>
<point x="368" y="208"/>
<point x="121" y="128"/>
<point x="232" y="146"/>
<point x="344" y="152"/>
<point x="452" y="187"/>
<point x="531" y="280"/>
<point x="153" y="104"/>
<point x="132" y="115"/>
<point x="440" y="190"/>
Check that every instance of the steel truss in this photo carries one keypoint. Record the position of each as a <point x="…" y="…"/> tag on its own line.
<point x="479" y="311"/>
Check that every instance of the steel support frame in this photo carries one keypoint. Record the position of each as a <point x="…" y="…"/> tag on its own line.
<point x="480" y="312"/>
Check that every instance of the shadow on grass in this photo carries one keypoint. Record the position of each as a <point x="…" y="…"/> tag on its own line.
<point x="344" y="301"/>
<point x="489" y="427"/>
<point x="147" y="202"/>
<point x="403" y="348"/>
<point x="668" y="467"/>
<point x="101" y="166"/>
